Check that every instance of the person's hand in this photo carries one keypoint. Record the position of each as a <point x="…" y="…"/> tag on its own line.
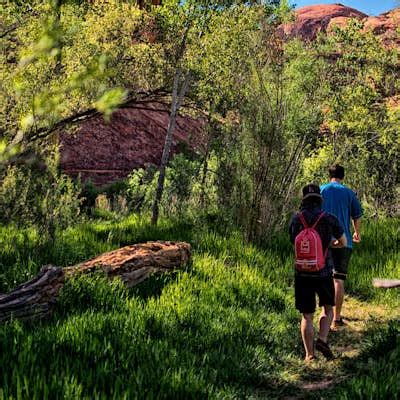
<point x="356" y="237"/>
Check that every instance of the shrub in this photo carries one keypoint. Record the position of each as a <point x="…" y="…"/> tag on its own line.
<point x="49" y="200"/>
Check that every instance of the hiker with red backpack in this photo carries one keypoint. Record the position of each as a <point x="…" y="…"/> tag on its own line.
<point x="313" y="232"/>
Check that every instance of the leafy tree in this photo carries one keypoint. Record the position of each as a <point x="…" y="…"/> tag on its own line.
<point x="361" y="117"/>
<point x="184" y="25"/>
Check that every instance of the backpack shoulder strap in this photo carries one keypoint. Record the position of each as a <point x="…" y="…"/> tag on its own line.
<point x="318" y="219"/>
<point x="303" y="220"/>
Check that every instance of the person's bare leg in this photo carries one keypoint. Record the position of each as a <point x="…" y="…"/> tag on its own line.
<point x="325" y="321"/>
<point x="307" y="334"/>
<point x="339" y="295"/>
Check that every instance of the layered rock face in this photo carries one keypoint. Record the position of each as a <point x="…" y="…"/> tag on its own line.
<point x="311" y="20"/>
<point x="108" y="151"/>
<point x="386" y="25"/>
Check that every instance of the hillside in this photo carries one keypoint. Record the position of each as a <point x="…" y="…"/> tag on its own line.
<point x="105" y="152"/>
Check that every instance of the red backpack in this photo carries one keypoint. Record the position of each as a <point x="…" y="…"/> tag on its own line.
<point x="309" y="253"/>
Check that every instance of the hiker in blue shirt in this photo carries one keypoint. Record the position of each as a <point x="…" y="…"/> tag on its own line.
<point x="342" y="202"/>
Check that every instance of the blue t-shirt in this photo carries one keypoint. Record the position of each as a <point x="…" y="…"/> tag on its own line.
<point x="342" y="202"/>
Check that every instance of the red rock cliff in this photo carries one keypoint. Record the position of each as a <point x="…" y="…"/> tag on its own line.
<point x="105" y="152"/>
<point x="310" y="20"/>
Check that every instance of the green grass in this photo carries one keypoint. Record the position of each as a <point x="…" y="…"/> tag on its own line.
<point x="224" y="327"/>
<point x="379" y="375"/>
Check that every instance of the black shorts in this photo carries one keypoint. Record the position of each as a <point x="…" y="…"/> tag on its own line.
<point x="341" y="258"/>
<point x="305" y="289"/>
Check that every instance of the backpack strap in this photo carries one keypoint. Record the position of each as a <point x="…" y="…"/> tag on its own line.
<point x="313" y="227"/>
<point x="303" y="220"/>
<point x="318" y="219"/>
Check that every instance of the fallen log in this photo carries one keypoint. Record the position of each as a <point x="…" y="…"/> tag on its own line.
<point x="386" y="283"/>
<point x="133" y="264"/>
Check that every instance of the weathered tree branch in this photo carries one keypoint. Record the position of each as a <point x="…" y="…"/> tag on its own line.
<point x="42" y="133"/>
<point x="133" y="264"/>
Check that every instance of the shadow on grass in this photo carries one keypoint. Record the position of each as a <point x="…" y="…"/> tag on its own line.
<point x="153" y="286"/>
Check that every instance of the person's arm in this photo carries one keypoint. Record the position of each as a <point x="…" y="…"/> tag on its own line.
<point x="339" y="243"/>
<point x="357" y="228"/>
<point x="338" y="233"/>
<point x="356" y="213"/>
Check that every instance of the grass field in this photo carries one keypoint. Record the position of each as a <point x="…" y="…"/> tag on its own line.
<point x="224" y="327"/>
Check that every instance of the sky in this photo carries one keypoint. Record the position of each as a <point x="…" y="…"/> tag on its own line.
<point x="370" y="7"/>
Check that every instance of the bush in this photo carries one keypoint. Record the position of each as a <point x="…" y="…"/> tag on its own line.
<point x="17" y="204"/>
<point x="49" y="201"/>
<point x="89" y="194"/>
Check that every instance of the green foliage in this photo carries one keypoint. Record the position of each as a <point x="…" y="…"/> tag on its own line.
<point x="379" y="378"/>
<point x="379" y="256"/>
<point x="49" y="201"/>
<point x="181" y="187"/>
<point x="360" y="121"/>
<point x="89" y="194"/>
<point x="14" y="203"/>
<point x="70" y="58"/>
<point x="96" y="292"/>
<point x="141" y="186"/>
<point x="110" y="101"/>
<point x="181" y="178"/>
<point x="223" y="327"/>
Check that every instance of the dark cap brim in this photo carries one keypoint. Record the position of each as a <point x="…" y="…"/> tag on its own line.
<point x="312" y="195"/>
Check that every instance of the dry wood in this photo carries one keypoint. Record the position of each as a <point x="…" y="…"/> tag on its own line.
<point x="386" y="283"/>
<point x="133" y="264"/>
<point x="35" y="298"/>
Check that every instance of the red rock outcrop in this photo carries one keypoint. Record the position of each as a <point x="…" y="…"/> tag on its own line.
<point x="310" y="20"/>
<point x="386" y="26"/>
<point x="108" y="151"/>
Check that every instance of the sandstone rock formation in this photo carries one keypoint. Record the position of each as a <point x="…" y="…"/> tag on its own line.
<point x="108" y="151"/>
<point x="311" y="20"/>
<point x="386" y="26"/>
<point x="133" y="264"/>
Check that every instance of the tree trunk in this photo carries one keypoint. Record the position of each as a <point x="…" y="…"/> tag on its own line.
<point x="133" y="264"/>
<point x="177" y="100"/>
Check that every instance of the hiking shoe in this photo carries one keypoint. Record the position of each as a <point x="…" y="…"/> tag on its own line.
<point x="338" y="323"/>
<point x="324" y="349"/>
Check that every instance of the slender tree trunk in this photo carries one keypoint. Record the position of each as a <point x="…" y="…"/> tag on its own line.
<point x="57" y="26"/>
<point x="177" y="100"/>
<point x="205" y="165"/>
<point x="203" y="181"/>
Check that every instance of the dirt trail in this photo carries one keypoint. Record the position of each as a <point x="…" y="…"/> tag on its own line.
<point x="347" y="343"/>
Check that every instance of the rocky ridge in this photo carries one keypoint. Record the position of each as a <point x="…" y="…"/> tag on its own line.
<point x="310" y="20"/>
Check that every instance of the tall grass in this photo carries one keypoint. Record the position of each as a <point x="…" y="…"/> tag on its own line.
<point x="377" y="256"/>
<point x="223" y="327"/>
